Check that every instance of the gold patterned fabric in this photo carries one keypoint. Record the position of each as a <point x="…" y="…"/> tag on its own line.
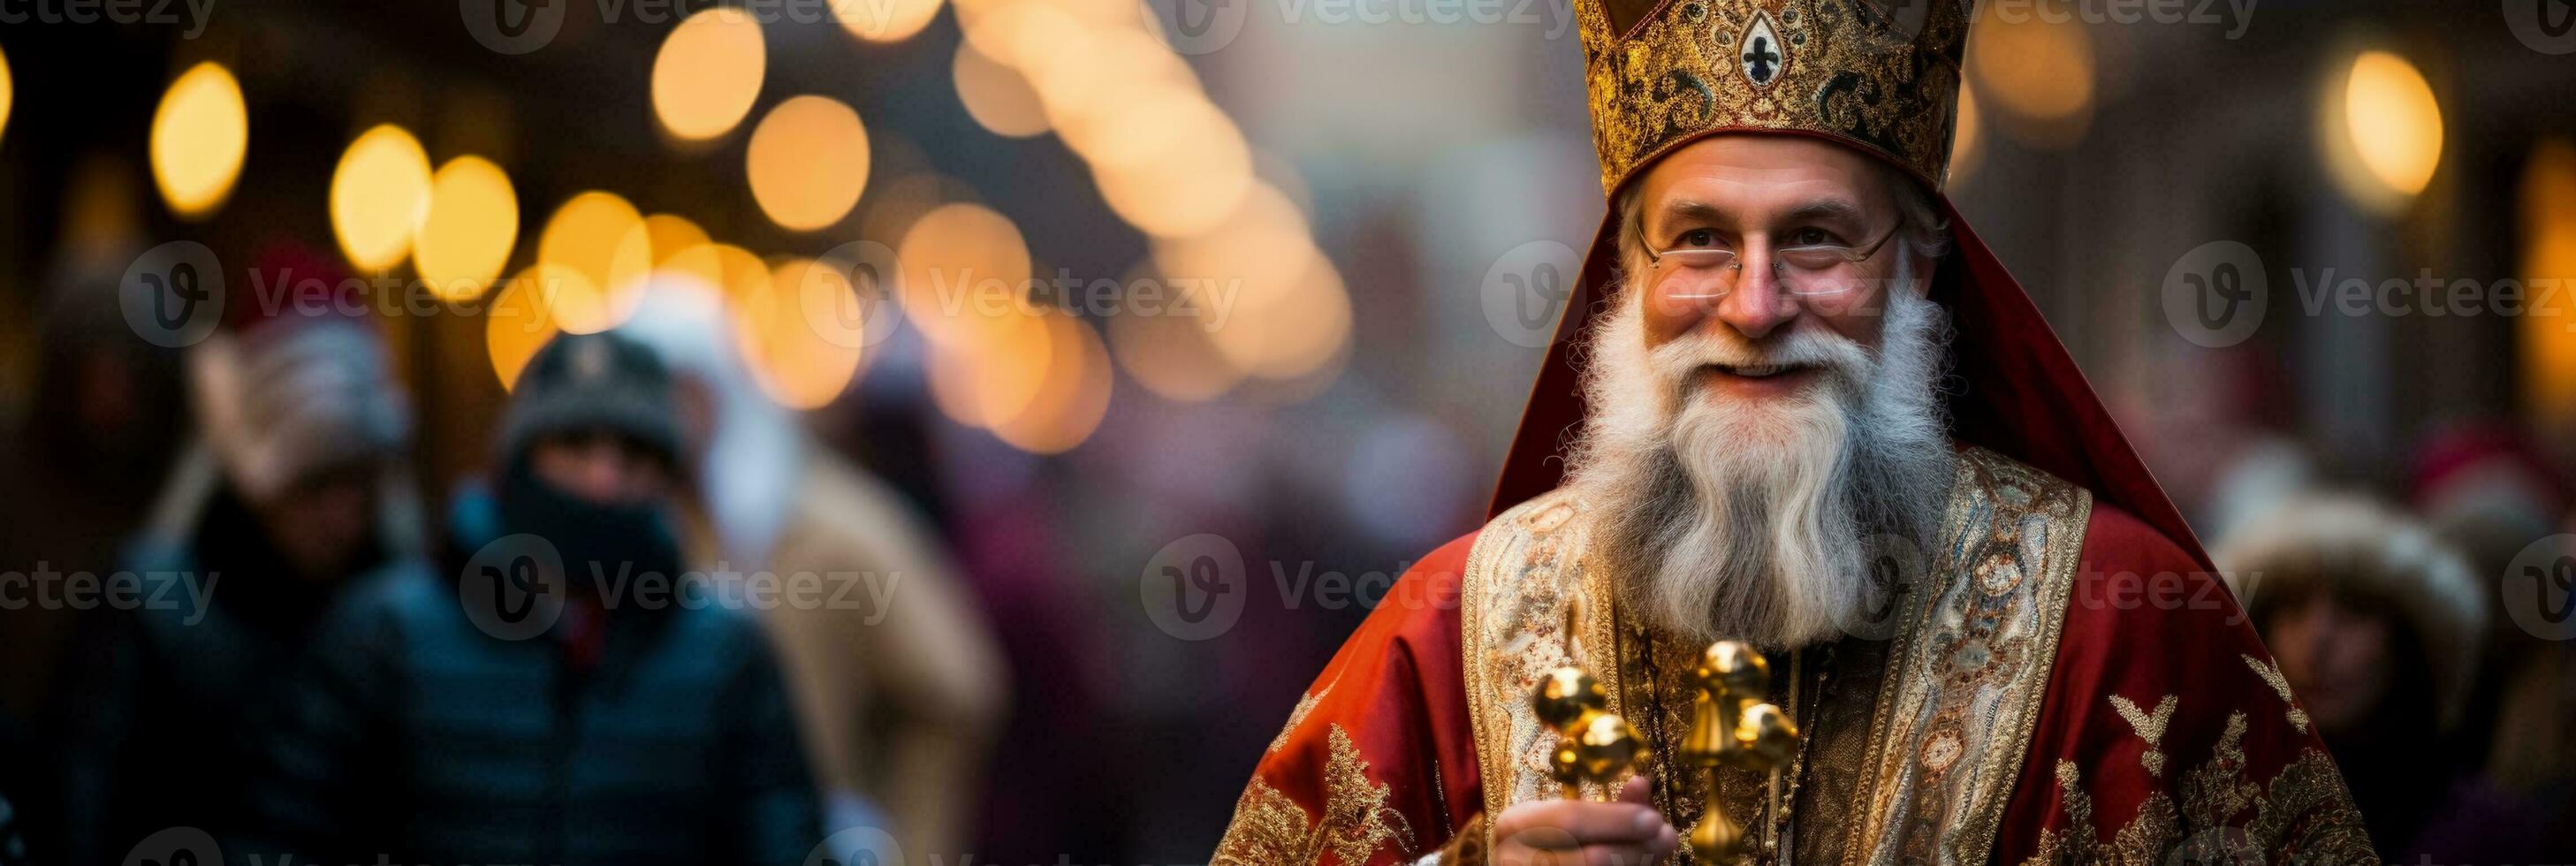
<point x="2223" y="816"/>
<point x="1271" y="829"/>
<point x="1918" y="756"/>
<point x="1882" y="78"/>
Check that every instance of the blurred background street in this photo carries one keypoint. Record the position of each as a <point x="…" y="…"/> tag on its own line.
<point x="1077" y="281"/>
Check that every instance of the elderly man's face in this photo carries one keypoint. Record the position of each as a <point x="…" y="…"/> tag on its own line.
<point x="1756" y="196"/>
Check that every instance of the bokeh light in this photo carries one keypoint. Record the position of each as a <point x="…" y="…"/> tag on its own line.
<point x="380" y="195"/>
<point x="2394" y="122"/>
<point x="2548" y="225"/>
<point x="800" y="348"/>
<point x="1072" y="393"/>
<point x="8" y="91"/>
<point x="517" y="322"/>
<point x="1178" y="169"/>
<point x="1272" y="305"/>
<point x="200" y="133"/>
<point x="1169" y="353"/>
<point x="601" y="239"/>
<point x="708" y="73"/>
<point x="807" y="162"/>
<point x="2039" y="74"/>
<point x="1963" y="146"/>
<point x="672" y="235"/>
<point x="885" y="20"/>
<point x="472" y="224"/>
<point x="998" y="97"/>
<point x="960" y="261"/>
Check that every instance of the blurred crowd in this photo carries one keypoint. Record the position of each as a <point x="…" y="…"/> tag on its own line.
<point x="2425" y="633"/>
<point x="275" y="591"/>
<point x="667" y="623"/>
<point x="664" y="625"/>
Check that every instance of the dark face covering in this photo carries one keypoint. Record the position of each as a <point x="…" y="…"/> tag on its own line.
<point x="600" y="543"/>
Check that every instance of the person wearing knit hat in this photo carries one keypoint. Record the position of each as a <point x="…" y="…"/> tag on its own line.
<point x="555" y="688"/>
<point x="2376" y="623"/>
<point x="293" y="487"/>
<point x="588" y="457"/>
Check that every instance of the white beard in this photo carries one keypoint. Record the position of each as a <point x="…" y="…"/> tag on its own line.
<point x="1761" y="521"/>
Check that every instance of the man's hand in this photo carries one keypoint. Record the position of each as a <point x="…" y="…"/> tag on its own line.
<point x="1628" y="832"/>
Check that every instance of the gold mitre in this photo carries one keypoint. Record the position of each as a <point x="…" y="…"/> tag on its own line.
<point x="1879" y="75"/>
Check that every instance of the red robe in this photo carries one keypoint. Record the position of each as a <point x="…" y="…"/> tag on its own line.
<point x="1378" y="763"/>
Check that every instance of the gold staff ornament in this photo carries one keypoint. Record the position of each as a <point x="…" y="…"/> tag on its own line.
<point x="1732" y="726"/>
<point x="1593" y="744"/>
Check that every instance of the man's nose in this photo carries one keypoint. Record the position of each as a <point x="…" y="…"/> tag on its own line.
<point x="1760" y="303"/>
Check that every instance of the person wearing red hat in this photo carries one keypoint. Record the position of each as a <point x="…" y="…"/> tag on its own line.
<point x="1810" y="411"/>
<point x="294" y="488"/>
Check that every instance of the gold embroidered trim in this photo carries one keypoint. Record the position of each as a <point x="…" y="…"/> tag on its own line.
<point x="2150" y="727"/>
<point x="1957" y="695"/>
<point x="2271" y="674"/>
<point x="1884" y="79"/>
<point x="1305" y="704"/>
<point x="1523" y="568"/>
<point x="2301" y="816"/>
<point x="1270" y="829"/>
<point x="1964" y="680"/>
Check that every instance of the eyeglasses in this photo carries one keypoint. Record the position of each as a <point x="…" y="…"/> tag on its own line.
<point x="1803" y="270"/>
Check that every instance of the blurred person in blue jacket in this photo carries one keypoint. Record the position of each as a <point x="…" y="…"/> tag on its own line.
<point x="555" y="691"/>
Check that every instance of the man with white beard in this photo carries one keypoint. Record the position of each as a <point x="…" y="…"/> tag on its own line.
<point x="1814" y="414"/>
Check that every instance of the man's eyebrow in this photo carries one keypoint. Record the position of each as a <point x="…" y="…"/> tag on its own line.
<point x="1826" y="210"/>
<point x="1690" y="211"/>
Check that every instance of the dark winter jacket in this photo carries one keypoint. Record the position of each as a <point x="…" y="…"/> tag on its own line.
<point x="413" y="735"/>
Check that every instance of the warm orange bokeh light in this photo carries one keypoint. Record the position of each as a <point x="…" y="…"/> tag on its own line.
<point x="380" y="196"/>
<point x="960" y="262"/>
<point x="472" y="224"/>
<point x="517" y="322"/>
<point x="602" y="238"/>
<point x="807" y="162"/>
<point x="799" y="347"/>
<point x="200" y="133"/>
<point x="708" y="73"/>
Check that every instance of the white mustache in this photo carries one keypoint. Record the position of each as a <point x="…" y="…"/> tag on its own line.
<point x="1842" y="358"/>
